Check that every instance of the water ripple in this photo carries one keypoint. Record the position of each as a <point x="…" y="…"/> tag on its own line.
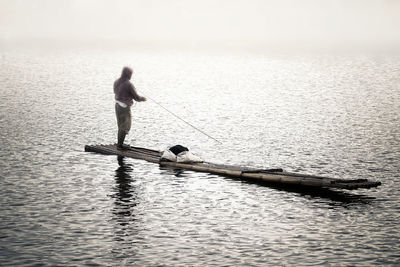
<point x="330" y="116"/>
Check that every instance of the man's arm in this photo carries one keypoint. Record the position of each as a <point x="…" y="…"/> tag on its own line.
<point x="135" y="95"/>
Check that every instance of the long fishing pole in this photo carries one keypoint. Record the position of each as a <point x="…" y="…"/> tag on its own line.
<point x="176" y="116"/>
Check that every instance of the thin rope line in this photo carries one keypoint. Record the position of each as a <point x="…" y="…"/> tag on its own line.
<point x="176" y="116"/>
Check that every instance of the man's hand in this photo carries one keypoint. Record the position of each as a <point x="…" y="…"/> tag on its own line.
<point x="144" y="99"/>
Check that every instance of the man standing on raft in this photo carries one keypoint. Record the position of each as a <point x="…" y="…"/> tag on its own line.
<point x="125" y="93"/>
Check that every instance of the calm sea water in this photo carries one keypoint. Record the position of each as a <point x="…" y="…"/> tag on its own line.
<point x="334" y="116"/>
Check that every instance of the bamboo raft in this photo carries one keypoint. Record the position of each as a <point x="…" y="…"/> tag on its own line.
<point x="276" y="176"/>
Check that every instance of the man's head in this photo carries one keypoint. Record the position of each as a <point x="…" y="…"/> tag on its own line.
<point x="126" y="73"/>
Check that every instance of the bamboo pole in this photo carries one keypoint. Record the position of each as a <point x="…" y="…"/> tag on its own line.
<point x="271" y="177"/>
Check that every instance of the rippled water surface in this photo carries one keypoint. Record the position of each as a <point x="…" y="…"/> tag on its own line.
<point x="335" y="116"/>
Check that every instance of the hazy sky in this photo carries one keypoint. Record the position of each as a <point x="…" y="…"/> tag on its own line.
<point x="205" y="22"/>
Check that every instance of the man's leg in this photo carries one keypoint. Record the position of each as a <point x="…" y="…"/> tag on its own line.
<point x="124" y="118"/>
<point x="121" y="138"/>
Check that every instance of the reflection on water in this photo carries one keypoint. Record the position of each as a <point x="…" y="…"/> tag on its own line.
<point x="168" y="170"/>
<point x="336" y="197"/>
<point x="125" y="195"/>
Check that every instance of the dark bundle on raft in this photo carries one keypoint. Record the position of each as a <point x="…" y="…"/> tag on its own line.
<point x="265" y="175"/>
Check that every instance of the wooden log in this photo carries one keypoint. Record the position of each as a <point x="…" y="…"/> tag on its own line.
<point x="252" y="174"/>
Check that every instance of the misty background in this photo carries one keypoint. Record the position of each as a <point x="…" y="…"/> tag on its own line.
<point x="257" y="24"/>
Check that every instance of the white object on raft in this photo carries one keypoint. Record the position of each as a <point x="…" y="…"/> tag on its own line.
<point x="183" y="157"/>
